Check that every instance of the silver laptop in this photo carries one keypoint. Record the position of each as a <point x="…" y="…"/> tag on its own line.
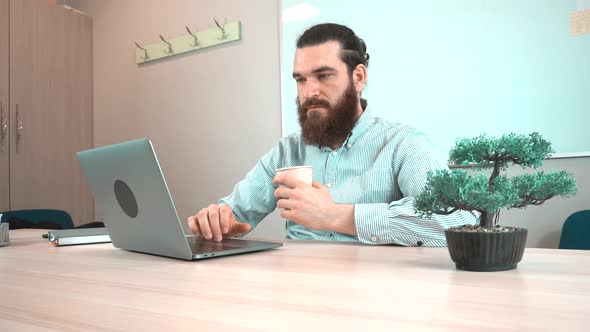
<point x="137" y="209"/>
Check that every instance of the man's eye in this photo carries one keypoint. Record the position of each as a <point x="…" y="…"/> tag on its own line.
<point x="323" y="76"/>
<point x="299" y="80"/>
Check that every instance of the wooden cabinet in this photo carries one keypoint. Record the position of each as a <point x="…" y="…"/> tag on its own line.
<point x="50" y="107"/>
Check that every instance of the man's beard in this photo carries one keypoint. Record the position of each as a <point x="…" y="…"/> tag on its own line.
<point x="337" y="124"/>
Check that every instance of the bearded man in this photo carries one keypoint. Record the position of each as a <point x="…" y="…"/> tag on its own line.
<point x="366" y="170"/>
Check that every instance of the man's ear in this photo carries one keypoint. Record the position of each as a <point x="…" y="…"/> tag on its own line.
<point x="359" y="77"/>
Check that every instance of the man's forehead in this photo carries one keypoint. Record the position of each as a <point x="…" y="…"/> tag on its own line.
<point x="309" y="58"/>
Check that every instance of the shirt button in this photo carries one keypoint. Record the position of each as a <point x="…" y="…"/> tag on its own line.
<point x="329" y="185"/>
<point x="334" y="153"/>
<point x="374" y="238"/>
<point x="419" y="243"/>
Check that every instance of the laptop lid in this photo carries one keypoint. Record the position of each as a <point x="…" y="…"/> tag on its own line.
<point x="132" y="194"/>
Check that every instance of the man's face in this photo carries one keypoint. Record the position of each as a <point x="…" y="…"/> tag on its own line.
<point x="327" y="96"/>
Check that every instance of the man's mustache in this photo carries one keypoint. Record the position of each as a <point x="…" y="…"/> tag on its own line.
<point x="315" y="102"/>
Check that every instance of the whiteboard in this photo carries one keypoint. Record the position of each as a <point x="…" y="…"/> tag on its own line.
<point x="461" y="68"/>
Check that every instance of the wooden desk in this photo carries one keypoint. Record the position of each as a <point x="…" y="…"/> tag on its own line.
<point x="303" y="286"/>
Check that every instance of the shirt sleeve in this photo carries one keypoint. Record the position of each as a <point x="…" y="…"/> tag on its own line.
<point x="253" y="197"/>
<point x="396" y="222"/>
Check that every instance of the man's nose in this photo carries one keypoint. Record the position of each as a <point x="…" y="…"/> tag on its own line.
<point x="311" y="89"/>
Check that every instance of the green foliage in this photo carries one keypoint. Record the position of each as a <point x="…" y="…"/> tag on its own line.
<point x="523" y="150"/>
<point x="534" y="189"/>
<point x="448" y="191"/>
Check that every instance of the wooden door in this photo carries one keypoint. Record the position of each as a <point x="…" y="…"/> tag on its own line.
<point x="45" y="102"/>
<point x="78" y="126"/>
<point x="4" y="113"/>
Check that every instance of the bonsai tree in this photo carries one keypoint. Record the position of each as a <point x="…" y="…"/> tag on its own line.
<point x="448" y="191"/>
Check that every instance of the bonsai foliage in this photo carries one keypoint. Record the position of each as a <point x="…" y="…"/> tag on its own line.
<point x="448" y="191"/>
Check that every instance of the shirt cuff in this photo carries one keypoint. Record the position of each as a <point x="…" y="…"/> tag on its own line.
<point x="371" y="223"/>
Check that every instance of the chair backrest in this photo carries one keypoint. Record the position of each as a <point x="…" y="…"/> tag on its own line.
<point x="575" y="233"/>
<point x="55" y="216"/>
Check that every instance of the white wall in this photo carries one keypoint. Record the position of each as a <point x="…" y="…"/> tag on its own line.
<point x="503" y="66"/>
<point x="212" y="114"/>
<point x="544" y="222"/>
<point x="583" y="4"/>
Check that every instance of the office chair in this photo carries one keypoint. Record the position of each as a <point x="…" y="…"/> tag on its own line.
<point x="575" y="233"/>
<point x="57" y="217"/>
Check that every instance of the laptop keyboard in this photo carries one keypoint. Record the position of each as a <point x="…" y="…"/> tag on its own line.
<point x="199" y="246"/>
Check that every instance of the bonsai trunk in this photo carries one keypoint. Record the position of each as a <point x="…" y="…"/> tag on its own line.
<point x="494" y="174"/>
<point x="487" y="219"/>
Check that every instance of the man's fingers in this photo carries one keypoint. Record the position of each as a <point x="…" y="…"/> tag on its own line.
<point x="288" y="204"/>
<point x="193" y="225"/>
<point x="214" y="222"/>
<point x="203" y="219"/>
<point x="288" y="180"/>
<point x="283" y="192"/>
<point x="287" y="214"/>
<point x="225" y="218"/>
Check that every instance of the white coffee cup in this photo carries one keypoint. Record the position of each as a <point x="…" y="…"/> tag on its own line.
<point x="302" y="173"/>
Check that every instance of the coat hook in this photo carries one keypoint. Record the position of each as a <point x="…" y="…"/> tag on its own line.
<point x="145" y="56"/>
<point x="222" y="28"/>
<point x="196" y="43"/>
<point x="169" y="45"/>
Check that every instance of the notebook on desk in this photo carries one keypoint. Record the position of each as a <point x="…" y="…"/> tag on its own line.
<point x="137" y="209"/>
<point x="68" y="237"/>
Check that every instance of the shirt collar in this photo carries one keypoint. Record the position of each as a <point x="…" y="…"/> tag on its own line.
<point x="360" y="128"/>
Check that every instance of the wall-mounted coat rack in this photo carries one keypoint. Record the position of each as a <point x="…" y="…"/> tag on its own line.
<point x="192" y="41"/>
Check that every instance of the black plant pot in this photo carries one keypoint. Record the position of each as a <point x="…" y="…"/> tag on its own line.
<point x="486" y="251"/>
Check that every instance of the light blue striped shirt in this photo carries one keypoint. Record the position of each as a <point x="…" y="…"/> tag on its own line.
<point x="380" y="168"/>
